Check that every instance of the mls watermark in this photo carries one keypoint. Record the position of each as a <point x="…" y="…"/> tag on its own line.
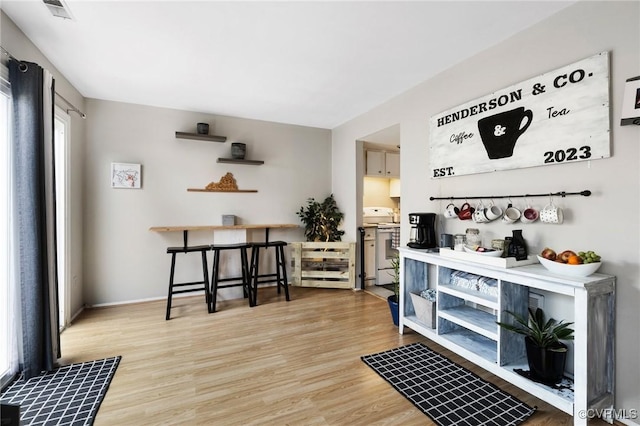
<point x="615" y="413"/>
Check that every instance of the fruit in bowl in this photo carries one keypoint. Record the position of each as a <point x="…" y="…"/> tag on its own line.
<point x="570" y="263"/>
<point x="567" y="269"/>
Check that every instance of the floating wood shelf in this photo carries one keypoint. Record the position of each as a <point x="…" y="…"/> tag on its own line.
<point x="238" y="161"/>
<point x="198" y="137"/>
<point x="220" y="190"/>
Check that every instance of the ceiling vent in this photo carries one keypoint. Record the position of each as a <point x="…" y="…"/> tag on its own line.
<point x="58" y="8"/>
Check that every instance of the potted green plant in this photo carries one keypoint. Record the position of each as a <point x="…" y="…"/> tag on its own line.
<point x="323" y="260"/>
<point x="546" y="354"/>
<point x="394" y="299"/>
<point x="321" y="220"/>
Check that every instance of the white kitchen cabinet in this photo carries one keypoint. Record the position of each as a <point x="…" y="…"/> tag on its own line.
<point x="370" y="253"/>
<point x="392" y="164"/>
<point x="382" y="163"/>
<point x="466" y="324"/>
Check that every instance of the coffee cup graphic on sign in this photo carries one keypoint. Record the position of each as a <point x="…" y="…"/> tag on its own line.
<point x="500" y="132"/>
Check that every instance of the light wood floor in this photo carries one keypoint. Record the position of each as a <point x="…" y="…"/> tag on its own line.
<point x="280" y="363"/>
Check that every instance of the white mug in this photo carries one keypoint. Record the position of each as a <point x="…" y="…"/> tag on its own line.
<point x="493" y="212"/>
<point x="511" y="214"/>
<point x="479" y="215"/>
<point x="451" y="211"/>
<point x="551" y="214"/>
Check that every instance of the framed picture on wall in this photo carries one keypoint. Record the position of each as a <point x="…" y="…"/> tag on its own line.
<point x="126" y="175"/>
<point x="631" y="104"/>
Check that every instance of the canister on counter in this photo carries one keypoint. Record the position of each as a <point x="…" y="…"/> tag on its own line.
<point x="458" y="242"/>
<point x="473" y="237"/>
<point x="497" y="244"/>
<point x="507" y="243"/>
<point x="446" y="240"/>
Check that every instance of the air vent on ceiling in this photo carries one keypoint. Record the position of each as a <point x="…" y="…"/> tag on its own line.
<point x="58" y="8"/>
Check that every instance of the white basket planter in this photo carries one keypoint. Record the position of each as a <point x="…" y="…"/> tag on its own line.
<point x="425" y="310"/>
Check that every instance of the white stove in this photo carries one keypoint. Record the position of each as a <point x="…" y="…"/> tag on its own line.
<point x="377" y="215"/>
<point x="385" y="250"/>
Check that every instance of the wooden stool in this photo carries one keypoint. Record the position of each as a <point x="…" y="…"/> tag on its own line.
<point x="279" y="277"/>
<point x="244" y="280"/>
<point x="190" y="286"/>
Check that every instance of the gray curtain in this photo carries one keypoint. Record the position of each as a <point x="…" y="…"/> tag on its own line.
<point x="32" y="91"/>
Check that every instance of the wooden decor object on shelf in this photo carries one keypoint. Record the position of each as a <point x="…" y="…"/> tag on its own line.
<point x="227" y="184"/>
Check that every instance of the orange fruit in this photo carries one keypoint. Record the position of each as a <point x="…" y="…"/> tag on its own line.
<point x="574" y="260"/>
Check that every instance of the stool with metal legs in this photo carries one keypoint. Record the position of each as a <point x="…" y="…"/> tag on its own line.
<point x="243" y="280"/>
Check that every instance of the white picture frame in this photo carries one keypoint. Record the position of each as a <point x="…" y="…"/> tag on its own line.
<point x="126" y="175"/>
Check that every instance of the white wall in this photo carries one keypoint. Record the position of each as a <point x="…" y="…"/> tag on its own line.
<point x="578" y="32"/>
<point x="124" y="261"/>
<point x="376" y="193"/>
<point x="21" y="47"/>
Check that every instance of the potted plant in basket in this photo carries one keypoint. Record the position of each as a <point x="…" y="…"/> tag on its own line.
<point x="546" y="354"/>
<point x="394" y="299"/>
<point x="323" y="260"/>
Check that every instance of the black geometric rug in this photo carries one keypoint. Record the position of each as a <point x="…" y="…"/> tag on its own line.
<point x="70" y="395"/>
<point x="445" y="391"/>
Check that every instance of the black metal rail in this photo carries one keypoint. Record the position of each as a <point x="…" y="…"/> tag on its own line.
<point x="584" y="193"/>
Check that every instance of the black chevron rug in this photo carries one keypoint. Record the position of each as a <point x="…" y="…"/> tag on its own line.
<point x="445" y="391"/>
<point x="70" y="395"/>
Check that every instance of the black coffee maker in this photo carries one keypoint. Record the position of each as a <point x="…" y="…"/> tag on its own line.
<point x="423" y="230"/>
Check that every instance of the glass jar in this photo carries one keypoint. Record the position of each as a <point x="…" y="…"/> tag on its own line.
<point x="458" y="242"/>
<point x="473" y="237"/>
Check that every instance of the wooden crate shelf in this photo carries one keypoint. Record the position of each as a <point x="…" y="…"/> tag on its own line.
<point x="326" y="265"/>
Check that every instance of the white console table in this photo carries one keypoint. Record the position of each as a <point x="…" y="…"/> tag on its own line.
<point x="466" y="324"/>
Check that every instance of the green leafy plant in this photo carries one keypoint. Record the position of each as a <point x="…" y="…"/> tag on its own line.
<point x="544" y="333"/>
<point x="395" y="273"/>
<point x="321" y="220"/>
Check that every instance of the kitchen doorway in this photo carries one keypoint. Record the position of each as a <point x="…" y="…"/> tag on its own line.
<point x="379" y="183"/>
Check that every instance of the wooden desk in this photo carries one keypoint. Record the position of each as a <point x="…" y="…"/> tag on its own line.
<point x="185" y="229"/>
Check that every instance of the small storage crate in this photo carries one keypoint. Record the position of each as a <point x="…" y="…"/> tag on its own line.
<point x="326" y="265"/>
<point x="425" y="310"/>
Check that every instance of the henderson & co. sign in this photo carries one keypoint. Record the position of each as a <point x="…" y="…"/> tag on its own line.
<point x="561" y="116"/>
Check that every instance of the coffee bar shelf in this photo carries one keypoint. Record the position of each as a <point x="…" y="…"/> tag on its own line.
<point x="466" y="323"/>
<point x="240" y="161"/>
<point x="476" y="320"/>
<point x="199" y="137"/>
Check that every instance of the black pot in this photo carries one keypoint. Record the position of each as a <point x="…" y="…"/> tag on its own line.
<point x="202" y="128"/>
<point x="546" y="365"/>
<point x="238" y="150"/>
<point x="393" y="307"/>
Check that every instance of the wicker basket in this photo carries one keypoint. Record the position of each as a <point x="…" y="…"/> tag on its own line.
<point x="425" y="310"/>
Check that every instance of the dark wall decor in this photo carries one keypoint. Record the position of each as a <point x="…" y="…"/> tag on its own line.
<point x="560" y="116"/>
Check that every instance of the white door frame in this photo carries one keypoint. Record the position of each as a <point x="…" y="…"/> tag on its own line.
<point x="63" y="210"/>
